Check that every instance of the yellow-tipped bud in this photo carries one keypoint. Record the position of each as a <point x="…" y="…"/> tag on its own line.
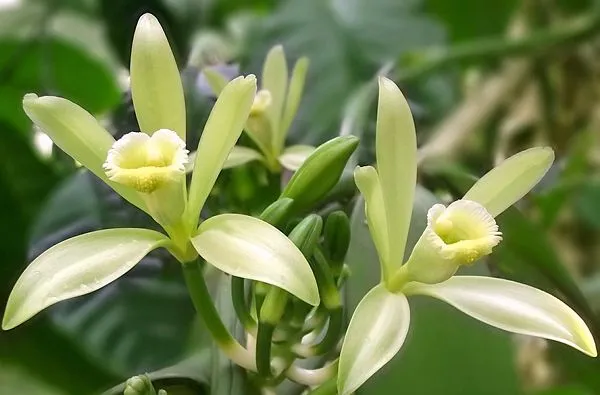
<point x="145" y="162"/>
<point x="455" y="235"/>
<point x="262" y="101"/>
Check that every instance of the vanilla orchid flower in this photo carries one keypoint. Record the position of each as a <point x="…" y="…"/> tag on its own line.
<point x="456" y="235"/>
<point x="272" y="113"/>
<point x="147" y="168"/>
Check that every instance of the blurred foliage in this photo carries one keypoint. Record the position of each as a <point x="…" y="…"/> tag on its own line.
<point x="476" y="98"/>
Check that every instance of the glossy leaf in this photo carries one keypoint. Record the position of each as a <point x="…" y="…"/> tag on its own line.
<point x="247" y="247"/>
<point x="294" y="96"/>
<point x="155" y="82"/>
<point x="513" y="307"/>
<point x="293" y="157"/>
<point x="220" y="134"/>
<point x="367" y="181"/>
<point x="375" y="334"/>
<point x="396" y="147"/>
<point x="77" y="267"/>
<point x="275" y="80"/>
<point x="79" y="134"/>
<point x="512" y="179"/>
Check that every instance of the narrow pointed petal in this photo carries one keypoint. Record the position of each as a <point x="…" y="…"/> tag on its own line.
<point x="222" y="130"/>
<point x="293" y="157"/>
<point x="375" y="334"/>
<point x="156" y="86"/>
<point x="512" y="179"/>
<point x="367" y="182"/>
<point x="396" y="148"/>
<point x="275" y="80"/>
<point x="294" y="96"/>
<point x="513" y="307"/>
<point x="79" y="134"/>
<point x="247" y="247"/>
<point x="76" y="267"/>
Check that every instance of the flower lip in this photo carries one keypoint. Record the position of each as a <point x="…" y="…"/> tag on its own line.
<point x="262" y="101"/>
<point x="146" y="162"/>
<point x="464" y="231"/>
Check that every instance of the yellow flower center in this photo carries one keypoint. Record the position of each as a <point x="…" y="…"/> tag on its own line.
<point x="464" y="231"/>
<point x="146" y="162"/>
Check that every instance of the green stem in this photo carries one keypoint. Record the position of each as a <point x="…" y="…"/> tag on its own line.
<point x="327" y="388"/>
<point x="270" y="314"/>
<point x="334" y="330"/>
<point x="238" y="297"/>
<point x="196" y="285"/>
<point x="492" y="48"/>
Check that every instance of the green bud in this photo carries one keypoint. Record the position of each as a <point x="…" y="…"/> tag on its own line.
<point x="320" y="172"/>
<point x="278" y="212"/>
<point x="337" y="235"/>
<point x="307" y="233"/>
<point x="139" y="385"/>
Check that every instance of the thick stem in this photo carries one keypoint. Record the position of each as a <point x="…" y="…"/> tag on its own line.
<point x="194" y="279"/>
<point x="238" y="296"/>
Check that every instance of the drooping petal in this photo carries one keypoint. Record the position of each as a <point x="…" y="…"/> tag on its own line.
<point x="247" y="247"/>
<point x="220" y="134"/>
<point x="156" y="86"/>
<point x="375" y="334"/>
<point x="512" y="179"/>
<point x="293" y="157"/>
<point x="367" y="182"/>
<point x="396" y="149"/>
<point x="513" y="307"/>
<point x="79" y="134"/>
<point x="76" y="267"/>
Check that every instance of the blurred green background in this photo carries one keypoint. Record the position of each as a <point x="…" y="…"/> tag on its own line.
<point x="484" y="80"/>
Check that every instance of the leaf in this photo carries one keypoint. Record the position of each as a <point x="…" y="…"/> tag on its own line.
<point x="439" y="332"/>
<point x="247" y="247"/>
<point x="112" y="325"/>
<point x="155" y="83"/>
<point x="396" y="147"/>
<point x="375" y="334"/>
<point x="79" y="134"/>
<point x="293" y="157"/>
<point x="512" y="179"/>
<point x="360" y="37"/>
<point x="513" y="307"/>
<point x="221" y="131"/>
<point x="76" y="267"/>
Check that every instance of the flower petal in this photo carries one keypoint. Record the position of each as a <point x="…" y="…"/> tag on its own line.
<point x="247" y="247"/>
<point x="240" y="156"/>
<point x="512" y="179"/>
<point x="294" y="96"/>
<point x="79" y="134"/>
<point x="275" y="80"/>
<point x="367" y="182"/>
<point x="513" y="307"/>
<point x="293" y="157"/>
<point x="396" y="148"/>
<point x="375" y="334"/>
<point x="156" y="86"/>
<point x="222" y="130"/>
<point x="76" y="267"/>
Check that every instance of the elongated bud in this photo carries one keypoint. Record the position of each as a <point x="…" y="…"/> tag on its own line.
<point x="278" y="212"/>
<point x="307" y="233"/>
<point x="456" y="235"/>
<point x="337" y="235"/>
<point x="139" y="385"/>
<point x="320" y="171"/>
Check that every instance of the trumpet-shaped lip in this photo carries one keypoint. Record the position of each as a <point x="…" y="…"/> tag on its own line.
<point x="261" y="102"/>
<point x="146" y="162"/>
<point x="464" y="231"/>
